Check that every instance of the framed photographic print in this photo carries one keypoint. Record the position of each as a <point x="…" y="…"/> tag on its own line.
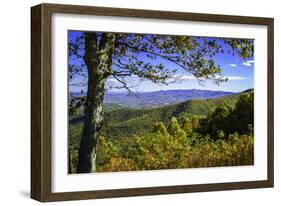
<point x="136" y="102"/>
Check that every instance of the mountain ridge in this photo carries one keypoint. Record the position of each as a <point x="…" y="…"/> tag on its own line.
<point x="161" y="97"/>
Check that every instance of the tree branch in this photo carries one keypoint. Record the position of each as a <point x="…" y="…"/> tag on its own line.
<point x="123" y="83"/>
<point x="157" y="54"/>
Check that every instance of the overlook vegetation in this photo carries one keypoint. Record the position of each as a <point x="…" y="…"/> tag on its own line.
<point x="102" y="61"/>
<point x="195" y="133"/>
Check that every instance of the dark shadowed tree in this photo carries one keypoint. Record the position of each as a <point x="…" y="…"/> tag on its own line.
<point x="227" y="120"/>
<point x="120" y="56"/>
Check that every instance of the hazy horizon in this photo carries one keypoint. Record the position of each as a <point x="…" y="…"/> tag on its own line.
<point x="124" y="92"/>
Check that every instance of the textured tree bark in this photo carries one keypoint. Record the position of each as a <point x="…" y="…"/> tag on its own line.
<point x="98" y="58"/>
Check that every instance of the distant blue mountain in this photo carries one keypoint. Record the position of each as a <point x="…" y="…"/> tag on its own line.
<point x="160" y="98"/>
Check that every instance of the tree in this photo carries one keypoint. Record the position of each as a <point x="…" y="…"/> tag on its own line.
<point x="216" y="120"/>
<point x="174" y="128"/>
<point x="120" y="55"/>
<point x="242" y="116"/>
<point x="225" y="120"/>
<point x="220" y="134"/>
<point x="187" y="125"/>
<point x="160" y="128"/>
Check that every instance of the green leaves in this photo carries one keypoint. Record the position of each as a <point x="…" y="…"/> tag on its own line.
<point x="190" y="54"/>
<point x="174" y="128"/>
<point x="241" y="47"/>
<point x="229" y="120"/>
<point x="195" y="55"/>
<point x="160" y="128"/>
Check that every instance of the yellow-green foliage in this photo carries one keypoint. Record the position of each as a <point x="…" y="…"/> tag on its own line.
<point x="161" y="150"/>
<point x="73" y="159"/>
<point x="158" y="151"/>
<point x="186" y="142"/>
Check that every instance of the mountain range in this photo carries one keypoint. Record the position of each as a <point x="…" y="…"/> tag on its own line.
<point x="160" y="98"/>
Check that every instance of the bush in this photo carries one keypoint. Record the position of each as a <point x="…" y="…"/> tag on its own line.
<point x="169" y="150"/>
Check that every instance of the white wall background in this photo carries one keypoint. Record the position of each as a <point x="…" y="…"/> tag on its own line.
<point x="15" y="102"/>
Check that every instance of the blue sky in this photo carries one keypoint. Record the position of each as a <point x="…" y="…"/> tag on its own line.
<point x="239" y="71"/>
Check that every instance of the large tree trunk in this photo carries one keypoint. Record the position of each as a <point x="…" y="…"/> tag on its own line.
<point x="98" y="58"/>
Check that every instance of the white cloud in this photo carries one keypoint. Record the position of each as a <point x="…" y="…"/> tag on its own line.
<point x="231" y="78"/>
<point x="248" y="63"/>
<point x="235" y="78"/>
<point x="188" y="77"/>
<point x="251" y="61"/>
<point x="184" y="77"/>
<point x="111" y="80"/>
<point x="233" y="65"/>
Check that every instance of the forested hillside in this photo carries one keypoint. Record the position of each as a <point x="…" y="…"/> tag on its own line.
<point x="193" y="133"/>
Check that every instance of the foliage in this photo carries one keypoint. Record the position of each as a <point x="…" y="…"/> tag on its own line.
<point x="174" y="128"/>
<point x="160" y="128"/>
<point x="224" y="137"/>
<point x="229" y="120"/>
